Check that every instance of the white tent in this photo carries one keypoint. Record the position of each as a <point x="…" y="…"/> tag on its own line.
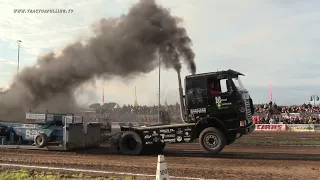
<point x="116" y="106"/>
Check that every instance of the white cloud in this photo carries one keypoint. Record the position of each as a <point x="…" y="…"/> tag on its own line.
<point x="268" y="41"/>
<point x="9" y="62"/>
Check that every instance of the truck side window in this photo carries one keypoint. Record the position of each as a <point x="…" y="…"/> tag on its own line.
<point x="195" y="91"/>
<point x="213" y="86"/>
<point x="224" y="85"/>
<point x="195" y="84"/>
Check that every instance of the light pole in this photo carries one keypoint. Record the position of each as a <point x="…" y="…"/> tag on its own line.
<point x="159" y="92"/>
<point x="18" y="41"/>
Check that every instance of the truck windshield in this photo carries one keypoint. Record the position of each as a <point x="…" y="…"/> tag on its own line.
<point x="238" y="83"/>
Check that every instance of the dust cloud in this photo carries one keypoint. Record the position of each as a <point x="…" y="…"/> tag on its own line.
<point x="126" y="47"/>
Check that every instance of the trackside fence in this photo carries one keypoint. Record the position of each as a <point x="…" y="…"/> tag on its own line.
<point x="288" y="127"/>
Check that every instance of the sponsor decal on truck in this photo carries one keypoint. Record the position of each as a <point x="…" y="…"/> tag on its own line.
<point x="198" y="111"/>
<point x="33" y="116"/>
<point x="32" y="133"/>
<point x="167" y="131"/>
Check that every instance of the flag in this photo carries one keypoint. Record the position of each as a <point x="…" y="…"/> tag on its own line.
<point x="103" y="94"/>
<point x="270" y="90"/>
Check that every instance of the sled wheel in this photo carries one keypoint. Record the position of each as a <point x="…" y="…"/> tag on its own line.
<point x="41" y="140"/>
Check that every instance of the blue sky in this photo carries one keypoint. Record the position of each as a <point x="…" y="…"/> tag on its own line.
<point x="272" y="41"/>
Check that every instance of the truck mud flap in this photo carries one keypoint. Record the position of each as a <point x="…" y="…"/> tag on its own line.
<point x="153" y="148"/>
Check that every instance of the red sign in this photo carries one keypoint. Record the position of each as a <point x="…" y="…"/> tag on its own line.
<point x="271" y="127"/>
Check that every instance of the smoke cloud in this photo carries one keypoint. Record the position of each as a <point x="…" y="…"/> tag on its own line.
<point x="125" y="47"/>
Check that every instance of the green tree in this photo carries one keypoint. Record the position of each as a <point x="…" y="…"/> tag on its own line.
<point x="109" y="105"/>
<point x="95" y="106"/>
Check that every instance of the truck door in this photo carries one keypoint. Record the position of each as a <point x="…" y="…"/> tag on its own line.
<point x="219" y="94"/>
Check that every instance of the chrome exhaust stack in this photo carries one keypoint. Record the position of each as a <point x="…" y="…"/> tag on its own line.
<point x="182" y="105"/>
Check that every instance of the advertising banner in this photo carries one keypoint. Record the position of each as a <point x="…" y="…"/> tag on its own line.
<point x="317" y="127"/>
<point x="290" y="115"/>
<point x="301" y="127"/>
<point x="272" y="127"/>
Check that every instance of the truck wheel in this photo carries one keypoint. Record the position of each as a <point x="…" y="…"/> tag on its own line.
<point x="130" y="143"/>
<point x="41" y="140"/>
<point x="212" y="140"/>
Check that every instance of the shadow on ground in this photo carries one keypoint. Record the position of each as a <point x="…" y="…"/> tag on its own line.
<point x="227" y="155"/>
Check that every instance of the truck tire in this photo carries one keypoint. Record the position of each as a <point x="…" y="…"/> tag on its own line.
<point x="41" y="140"/>
<point x="130" y="143"/>
<point x="212" y="140"/>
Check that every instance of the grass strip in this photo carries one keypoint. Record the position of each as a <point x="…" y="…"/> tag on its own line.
<point x="47" y="175"/>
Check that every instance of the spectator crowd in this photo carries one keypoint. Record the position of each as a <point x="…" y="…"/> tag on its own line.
<point x="150" y="113"/>
<point x="271" y="113"/>
<point x="144" y="113"/>
<point x="268" y="113"/>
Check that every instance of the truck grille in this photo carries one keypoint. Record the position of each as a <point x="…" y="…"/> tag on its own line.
<point x="248" y="111"/>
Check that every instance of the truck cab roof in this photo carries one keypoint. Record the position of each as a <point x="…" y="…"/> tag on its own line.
<point x="219" y="74"/>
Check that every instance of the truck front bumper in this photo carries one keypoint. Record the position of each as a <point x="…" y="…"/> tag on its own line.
<point x="247" y="129"/>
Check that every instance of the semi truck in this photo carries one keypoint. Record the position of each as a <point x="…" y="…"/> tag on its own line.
<point x="215" y="108"/>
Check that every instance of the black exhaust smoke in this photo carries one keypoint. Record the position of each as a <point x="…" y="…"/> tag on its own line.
<point x="125" y="47"/>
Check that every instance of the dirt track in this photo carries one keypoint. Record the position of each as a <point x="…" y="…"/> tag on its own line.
<point x="235" y="162"/>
